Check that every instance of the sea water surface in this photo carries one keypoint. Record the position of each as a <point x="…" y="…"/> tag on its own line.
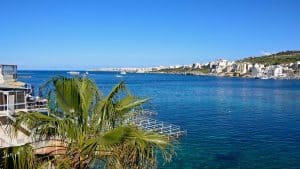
<point x="231" y="123"/>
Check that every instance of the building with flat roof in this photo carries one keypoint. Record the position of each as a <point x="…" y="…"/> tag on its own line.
<point x="15" y="96"/>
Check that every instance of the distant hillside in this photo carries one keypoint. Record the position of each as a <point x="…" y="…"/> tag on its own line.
<point x="203" y="70"/>
<point x="275" y="59"/>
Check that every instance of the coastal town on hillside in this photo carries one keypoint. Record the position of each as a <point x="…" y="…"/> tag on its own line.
<point x="287" y="67"/>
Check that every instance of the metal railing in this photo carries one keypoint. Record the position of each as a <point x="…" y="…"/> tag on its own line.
<point x="25" y="106"/>
<point x="149" y="124"/>
<point x="36" y="105"/>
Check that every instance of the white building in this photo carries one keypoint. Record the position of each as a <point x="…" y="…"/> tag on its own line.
<point x="278" y="71"/>
<point x="297" y="64"/>
<point x="218" y="66"/>
<point x="14" y="97"/>
<point x="231" y="67"/>
<point x="243" y="67"/>
<point x="256" y="72"/>
<point x="274" y="71"/>
<point x="196" y="66"/>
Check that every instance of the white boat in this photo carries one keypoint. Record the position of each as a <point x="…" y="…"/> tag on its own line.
<point x="73" y="73"/>
<point x="123" y="72"/>
<point x="119" y="76"/>
<point x="264" y="78"/>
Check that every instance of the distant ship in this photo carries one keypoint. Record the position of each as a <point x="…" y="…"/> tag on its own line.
<point x="264" y="78"/>
<point x="73" y="73"/>
<point x="123" y="72"/>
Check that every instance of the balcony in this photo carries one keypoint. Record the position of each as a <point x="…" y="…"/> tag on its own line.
<point x="38" y="105"/>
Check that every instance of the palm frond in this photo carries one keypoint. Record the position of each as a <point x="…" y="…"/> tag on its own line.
<point x="91" y="129"/>
<point x="20" y="157"/>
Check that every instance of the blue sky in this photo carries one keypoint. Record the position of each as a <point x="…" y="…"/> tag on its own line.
<point x="69" y="34"/>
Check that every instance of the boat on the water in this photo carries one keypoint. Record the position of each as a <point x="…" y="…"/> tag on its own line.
<point x="73" y="73"/>
<point x="264" y="78"/>
<point x="123" y="72"/>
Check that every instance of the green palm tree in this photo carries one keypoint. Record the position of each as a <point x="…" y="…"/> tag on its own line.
<point x="84" y="128"/>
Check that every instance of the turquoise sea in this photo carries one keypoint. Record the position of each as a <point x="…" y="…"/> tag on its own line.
<point x="231" y="123"/>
